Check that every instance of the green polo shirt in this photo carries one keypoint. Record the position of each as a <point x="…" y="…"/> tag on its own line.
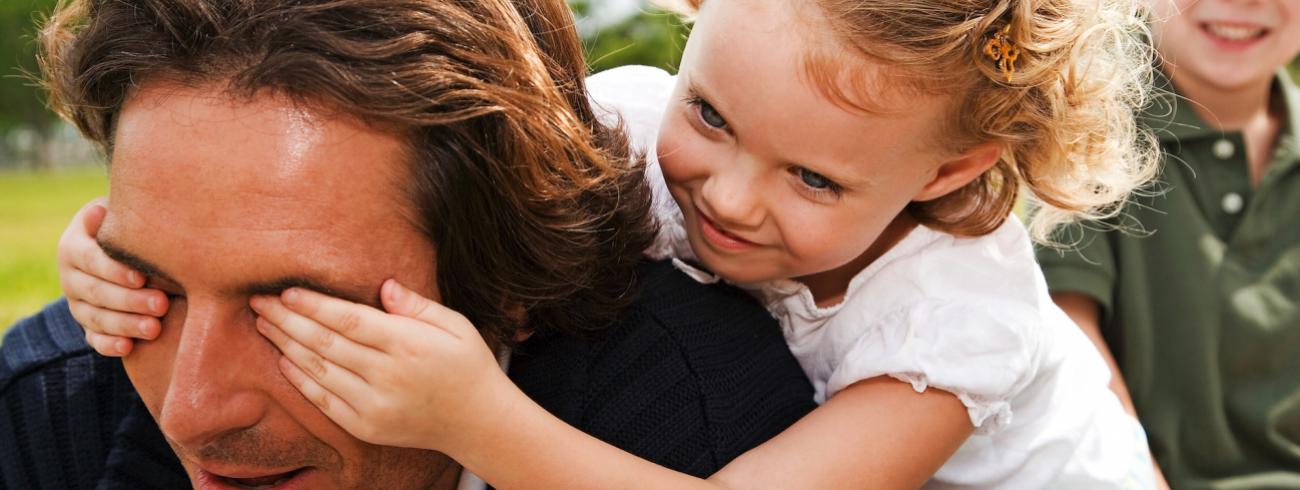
<point x="1200" y="301"/>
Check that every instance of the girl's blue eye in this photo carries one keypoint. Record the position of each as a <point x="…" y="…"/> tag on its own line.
<point x="710" y="116"/>
<point x="815" y="180"/>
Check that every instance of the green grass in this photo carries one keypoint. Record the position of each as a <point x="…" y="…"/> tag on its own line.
<point x="34" y="210"/>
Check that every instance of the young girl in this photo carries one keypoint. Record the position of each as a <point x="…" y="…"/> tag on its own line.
<point x="854" y="164"/>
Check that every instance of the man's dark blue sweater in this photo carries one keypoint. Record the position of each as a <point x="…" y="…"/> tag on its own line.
<point x="690" y="377"/>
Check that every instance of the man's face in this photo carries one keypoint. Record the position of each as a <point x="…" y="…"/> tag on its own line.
<point x="217" y="199"/>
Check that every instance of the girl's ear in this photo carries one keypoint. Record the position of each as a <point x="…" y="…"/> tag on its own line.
<point x="956" y="173"/>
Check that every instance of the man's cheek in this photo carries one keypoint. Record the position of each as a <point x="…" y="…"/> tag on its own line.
<point x="149" y="366"/>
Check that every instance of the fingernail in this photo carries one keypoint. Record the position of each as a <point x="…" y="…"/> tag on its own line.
<point x="123" y="346"/>
<point x="154" y="307"/>
<point x="144" y="329"/>
<point x="290" y="296"/>
<point x="286" y="367"/>
<point x="135" y="278"/>
<point x="394" y="291"/>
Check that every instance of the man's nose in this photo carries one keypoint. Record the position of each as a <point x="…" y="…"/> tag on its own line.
<point x="731" y="197"/>
<point x="213" y="383"/>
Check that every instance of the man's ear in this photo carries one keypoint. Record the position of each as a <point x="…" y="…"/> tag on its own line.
<point x="957" y="172"/>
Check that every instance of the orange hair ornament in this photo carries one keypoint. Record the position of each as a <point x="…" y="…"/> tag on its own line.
<point x="1004" y="51"/>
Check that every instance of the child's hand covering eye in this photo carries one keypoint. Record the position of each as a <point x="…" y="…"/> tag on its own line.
<point x="106" y="297"/>
<point x="408" y="378"/>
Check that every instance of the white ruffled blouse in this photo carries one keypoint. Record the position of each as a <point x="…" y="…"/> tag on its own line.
<point x="970" y="316"/>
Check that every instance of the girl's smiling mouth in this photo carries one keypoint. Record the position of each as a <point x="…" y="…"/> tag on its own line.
<point x="720" y="238"/>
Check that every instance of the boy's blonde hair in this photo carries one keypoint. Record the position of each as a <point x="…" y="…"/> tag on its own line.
<point x="1064" y="119"/>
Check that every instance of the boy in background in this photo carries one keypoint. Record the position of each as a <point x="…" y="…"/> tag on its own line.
<point x="1199" y="311"/>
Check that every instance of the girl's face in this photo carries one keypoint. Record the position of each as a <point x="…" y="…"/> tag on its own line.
<point x="774" y="179"/>
<point x="1226" y="44"/>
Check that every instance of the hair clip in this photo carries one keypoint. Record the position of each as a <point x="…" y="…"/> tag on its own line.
<point x="1002" y="50"/>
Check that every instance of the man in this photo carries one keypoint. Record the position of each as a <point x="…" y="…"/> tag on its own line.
<point x="259" y="145"/>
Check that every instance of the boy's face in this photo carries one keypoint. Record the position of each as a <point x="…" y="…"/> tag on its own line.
<point x="1226" y="44"/>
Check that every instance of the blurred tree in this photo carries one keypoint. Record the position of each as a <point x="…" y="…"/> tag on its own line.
<point x="21" y="101"/>
<point x="649" y="37"/>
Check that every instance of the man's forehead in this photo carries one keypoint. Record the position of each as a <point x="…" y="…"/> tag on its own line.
<point x="270" y="140"/>
<point x="260" y="162"/>
<point x="259" y="192"/>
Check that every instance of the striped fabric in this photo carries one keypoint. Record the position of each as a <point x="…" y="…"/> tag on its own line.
<point x="70" y="419"/>
<point x="690" y="378"/>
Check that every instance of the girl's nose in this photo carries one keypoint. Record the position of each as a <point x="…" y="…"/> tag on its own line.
<point x="732" y="200"/>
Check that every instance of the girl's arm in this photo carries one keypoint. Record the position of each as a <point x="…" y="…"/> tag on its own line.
<point x="422" y="377"/>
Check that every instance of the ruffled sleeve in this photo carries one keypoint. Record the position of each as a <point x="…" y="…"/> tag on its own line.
<point x="981" y="352"/>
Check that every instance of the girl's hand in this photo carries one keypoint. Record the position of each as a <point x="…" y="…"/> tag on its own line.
<point x="413" y="378"/>
<point x="104" y="295"/>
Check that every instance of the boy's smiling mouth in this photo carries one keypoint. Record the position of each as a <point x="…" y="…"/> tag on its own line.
<point x="1234" y="32"/>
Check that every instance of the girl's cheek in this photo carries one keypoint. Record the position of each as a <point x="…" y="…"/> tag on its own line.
<point x="683" y="154"/>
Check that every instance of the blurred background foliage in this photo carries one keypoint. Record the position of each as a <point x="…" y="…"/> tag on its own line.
<point x="24" y="123"/>
<point x="628" y="32"/>
<point x="47" y="172"/>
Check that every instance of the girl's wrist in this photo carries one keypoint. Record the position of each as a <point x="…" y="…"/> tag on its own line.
<point x="482" y="417"/>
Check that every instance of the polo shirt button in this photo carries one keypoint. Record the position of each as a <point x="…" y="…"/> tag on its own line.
<point x="1223" y="149"/>
<point x="1232" y="203"/>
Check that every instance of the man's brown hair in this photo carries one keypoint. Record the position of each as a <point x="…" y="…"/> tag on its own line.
<point x="536" y="209"/>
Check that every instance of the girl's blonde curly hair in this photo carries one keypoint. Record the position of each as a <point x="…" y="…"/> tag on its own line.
<point x="1065" y="118"/>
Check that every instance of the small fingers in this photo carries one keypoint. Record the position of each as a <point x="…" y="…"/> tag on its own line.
<point x="355" y="321"/>
<point x="330" y="404"/>
<point x="322" y="341"/>
<point x="97" y="263"/>
<point x="78" y="250"/>
<point x="114" y="323"/>
<point x="104" y="294"/>
<point x="108" y="345"/>
<point x="335" y="378"/>
<point x="92" y="215"/>
<point x="400" y="300"/>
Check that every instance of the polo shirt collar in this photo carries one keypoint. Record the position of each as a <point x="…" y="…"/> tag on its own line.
<point x="1287" y="148"/>
<point x="1171" y="117"/>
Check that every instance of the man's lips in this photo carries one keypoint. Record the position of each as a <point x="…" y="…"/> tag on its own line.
<point x="721" y="238"/>
<point x="240" y="480"/>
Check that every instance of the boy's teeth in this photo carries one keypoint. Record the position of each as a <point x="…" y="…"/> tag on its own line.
<point x="1234" y="33"/>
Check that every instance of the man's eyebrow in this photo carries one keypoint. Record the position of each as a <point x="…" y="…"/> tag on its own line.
<point x="131" y="260"/>
<point x="269" y="288"/>
<point x="275" y="286"/>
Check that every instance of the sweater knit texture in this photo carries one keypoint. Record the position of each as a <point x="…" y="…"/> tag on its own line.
<point x="690" y="377"/>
